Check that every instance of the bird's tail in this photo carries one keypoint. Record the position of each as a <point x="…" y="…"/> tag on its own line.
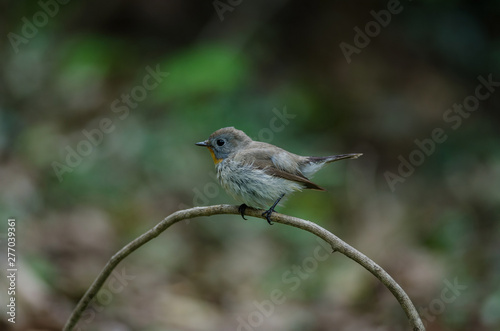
<point x="314" y="163"/>
<point x="333" y="158"/>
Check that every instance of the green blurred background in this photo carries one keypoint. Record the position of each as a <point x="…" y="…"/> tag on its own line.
<point x="274" y="69"/>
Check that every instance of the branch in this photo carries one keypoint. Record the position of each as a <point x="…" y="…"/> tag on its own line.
<point x="336" y="243"/>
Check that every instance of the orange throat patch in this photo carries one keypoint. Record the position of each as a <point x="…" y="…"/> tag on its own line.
<point x="216" y="160"/>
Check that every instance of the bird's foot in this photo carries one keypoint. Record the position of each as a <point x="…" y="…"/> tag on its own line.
<point x="267" y="214"/>
<point x="242" y="209"/>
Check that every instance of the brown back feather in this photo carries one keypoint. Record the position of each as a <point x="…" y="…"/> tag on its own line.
<point x="262" y="159"/>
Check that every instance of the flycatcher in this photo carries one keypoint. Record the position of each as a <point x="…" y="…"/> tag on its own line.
<point x="259" y="174"/>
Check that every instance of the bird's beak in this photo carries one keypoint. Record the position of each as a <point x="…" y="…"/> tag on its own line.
<point x="203" y="143"/>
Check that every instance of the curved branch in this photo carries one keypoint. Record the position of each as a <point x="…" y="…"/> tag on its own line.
<point x="336" y="243"/>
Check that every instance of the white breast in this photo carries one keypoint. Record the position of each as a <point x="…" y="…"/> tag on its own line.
<point x="251" y="186"/>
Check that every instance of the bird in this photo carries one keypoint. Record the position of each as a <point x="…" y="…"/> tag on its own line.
<point x="259" y="174"/>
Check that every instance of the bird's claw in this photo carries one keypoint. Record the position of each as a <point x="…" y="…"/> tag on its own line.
<point x="242" y="209"/>
<point x="267" y="214"/>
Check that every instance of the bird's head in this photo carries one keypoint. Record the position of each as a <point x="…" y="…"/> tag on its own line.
<point x="224" y="142"/>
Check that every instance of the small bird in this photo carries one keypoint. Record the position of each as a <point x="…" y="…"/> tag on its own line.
<point x="259" y="174"/>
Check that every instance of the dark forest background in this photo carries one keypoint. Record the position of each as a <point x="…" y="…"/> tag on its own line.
<point x="101" y="103"/>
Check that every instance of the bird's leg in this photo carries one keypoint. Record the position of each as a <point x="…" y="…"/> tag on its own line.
<point x="242" y="209"/>
<point x="268" y="212"/>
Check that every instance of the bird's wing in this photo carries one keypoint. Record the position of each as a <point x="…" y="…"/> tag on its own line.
<point x="276" y="162"/>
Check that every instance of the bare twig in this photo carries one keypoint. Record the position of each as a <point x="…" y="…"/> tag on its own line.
<point x="336" y="243"/>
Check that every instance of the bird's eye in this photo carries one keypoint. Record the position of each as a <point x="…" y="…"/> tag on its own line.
<point x="220" y="142"/>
